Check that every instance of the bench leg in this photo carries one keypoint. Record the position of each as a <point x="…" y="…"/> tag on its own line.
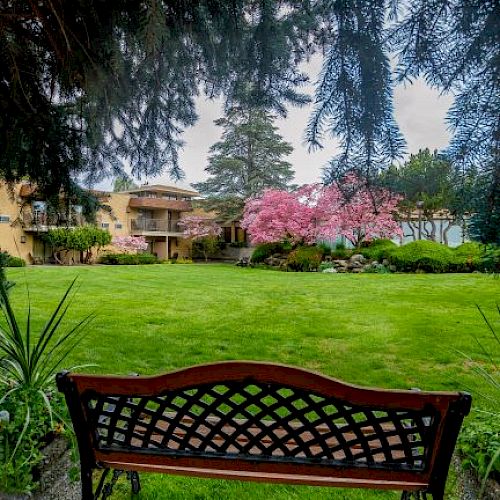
<point x="107" y="490"/>
<point x="133" y="476"/>
<point x="417" y="495"/>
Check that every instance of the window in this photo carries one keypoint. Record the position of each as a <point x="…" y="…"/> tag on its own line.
<point x="4" y="218"/>
<point x="105" y="225"/>
<point x="118" y="225"/>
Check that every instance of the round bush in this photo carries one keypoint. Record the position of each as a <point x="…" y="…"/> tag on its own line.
<point x="128" y="259"/>
<point x="15" y="261"/>
<point x="378" y="249"/>
<point x="467" y="257"/>
<point x="423" y="255"/>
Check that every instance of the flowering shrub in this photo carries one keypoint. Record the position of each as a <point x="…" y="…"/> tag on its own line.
<point x="130" y="243"/>
<point x="348" y="209"/>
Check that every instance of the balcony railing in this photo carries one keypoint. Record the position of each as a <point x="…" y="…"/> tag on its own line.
<point x="155" y="225"/>
<point x="41" y="220"/>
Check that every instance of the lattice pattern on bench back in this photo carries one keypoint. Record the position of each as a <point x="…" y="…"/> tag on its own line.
<point x="253" y="420"/>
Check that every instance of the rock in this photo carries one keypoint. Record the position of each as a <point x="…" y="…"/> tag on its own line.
<point x="330" y="270"/>
<point x="375" y="263"/>
<point x="368" y="267"/>
<point x="355" y="264"/>
<point x="392" y="268"/>
<point x="357" y="257"/>
<point x="357" y="270"/>
<point x="340" y="263"/>
<point x="385" y="262"/>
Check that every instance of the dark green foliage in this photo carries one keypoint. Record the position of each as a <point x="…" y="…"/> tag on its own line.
<point x="128" y="259"/>
<point x="423" y="255"/>
<point x="478" y="442"/>
<point x="4" y="258"/>
<point x="16" y="469"/>
<point x="429" y="183"/>
<point x="354" y="95"/>
<point x="490" y="262"/>
<point x="341" y="251"/>
<point x="82" y="239"/>
<point x="377" y="249"/>
<point x="262" y="252"/>
<point x="467" y="257"/>
<point x="305" y="259"/>
<point x="73" y="74"/>
<point x="455" y="46"/>
<point x="15" y="262"/>
<point x="248" y="159"/>
<point x="325" y="248"/>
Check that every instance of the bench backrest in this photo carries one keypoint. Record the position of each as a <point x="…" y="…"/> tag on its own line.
<point x="266" y="417"/>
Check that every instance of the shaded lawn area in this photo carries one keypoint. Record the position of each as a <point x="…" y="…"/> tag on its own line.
<point x="394" y="331"/>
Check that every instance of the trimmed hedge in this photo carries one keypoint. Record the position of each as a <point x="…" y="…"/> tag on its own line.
<point x="422" y="255"/>
<point x="378" y="249"/>
<point x="305" y="258"/>
<point x="127" y="259"/>
<point x="467" y="257"/>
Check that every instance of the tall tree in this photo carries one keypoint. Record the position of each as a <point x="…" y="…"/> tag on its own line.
<point x="429" y="184"/>
<point x="248" y="159"/>
<point x="87" y="85"/>
<point x="123" y="183"/>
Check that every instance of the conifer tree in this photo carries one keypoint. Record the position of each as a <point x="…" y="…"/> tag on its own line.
<point x="248" y="160"/>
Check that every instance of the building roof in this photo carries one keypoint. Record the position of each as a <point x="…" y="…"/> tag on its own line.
<point x="161" y="188"/>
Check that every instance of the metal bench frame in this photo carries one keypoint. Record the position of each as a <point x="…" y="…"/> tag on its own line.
<point x="262" y="422"/>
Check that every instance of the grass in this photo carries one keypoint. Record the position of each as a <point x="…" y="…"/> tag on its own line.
<point x="394" y="331"/>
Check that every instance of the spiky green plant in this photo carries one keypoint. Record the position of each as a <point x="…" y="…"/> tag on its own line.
<point x="29" y="361"/>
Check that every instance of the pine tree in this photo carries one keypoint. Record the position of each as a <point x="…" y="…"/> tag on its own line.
<point x="248" y="159"/>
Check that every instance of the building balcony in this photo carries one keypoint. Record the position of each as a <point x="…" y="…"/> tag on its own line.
<point x="155" y="227"/>
<point x="161" y="204"/>
<point x="42" y="222"/>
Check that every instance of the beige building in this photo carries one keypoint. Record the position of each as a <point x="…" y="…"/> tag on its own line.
<point x="152" y="211"/>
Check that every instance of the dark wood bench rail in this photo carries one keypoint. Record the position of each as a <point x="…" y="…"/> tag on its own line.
<point x="262" y="422"/>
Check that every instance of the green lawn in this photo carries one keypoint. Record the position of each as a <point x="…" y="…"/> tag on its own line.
<point x="396" y="331"/>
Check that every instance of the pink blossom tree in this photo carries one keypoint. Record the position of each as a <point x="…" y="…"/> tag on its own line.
<point x="130" y="243"/>
<point x="358" y="212"/>
<point x="202" y="230"/>
<point x="350" y="209"/>
<point x="281" y="216"/>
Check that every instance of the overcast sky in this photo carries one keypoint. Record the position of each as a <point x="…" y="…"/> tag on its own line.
<point x="420" y="113"/>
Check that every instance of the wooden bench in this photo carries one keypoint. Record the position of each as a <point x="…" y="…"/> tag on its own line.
<point x="262" y="422"/>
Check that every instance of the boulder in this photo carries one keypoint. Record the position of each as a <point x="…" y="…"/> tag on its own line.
<point x="340" y="263"/>
<point x="392" y="268"/>
<point x="357" y="270"/>
<point x="330" y="270"/>
<point x="357" y="257"/>
<point x="385" y="262"/>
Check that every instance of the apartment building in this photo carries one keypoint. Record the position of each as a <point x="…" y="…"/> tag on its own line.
<point x="152" y="211"/>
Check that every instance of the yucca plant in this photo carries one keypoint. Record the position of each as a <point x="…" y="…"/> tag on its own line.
<point x="29" y="361"/>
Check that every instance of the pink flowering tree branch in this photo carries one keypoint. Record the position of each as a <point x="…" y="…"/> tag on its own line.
<point x="203" y="230"/>
<point x="130" y="243"/>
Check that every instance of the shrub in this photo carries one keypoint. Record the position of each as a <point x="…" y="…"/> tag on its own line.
<point x="340" y="251"/>
<point x="422" y="255"/>
<point x="15" y="262"/>
<point x="305" y="259"/>
<point x="266" y="250"/>
<point x="127" y="259"/>
<point x="478" y="442"/>
<point x="490" y="261"/>
<point x="377" y="249"/>
<point x="467" y="257"/>
<point x="182" y="260"/>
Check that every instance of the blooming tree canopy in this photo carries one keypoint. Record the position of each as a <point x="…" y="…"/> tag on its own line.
<point x="197" y="227"/>
<point x="349" y="209"/>
<point x="280" y="215"/>
<point x="130" y="243"/>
